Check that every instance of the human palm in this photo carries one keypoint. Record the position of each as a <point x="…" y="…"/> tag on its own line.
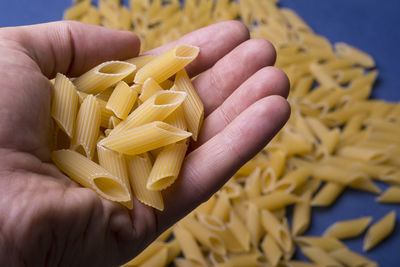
<point x="45" y="218"/>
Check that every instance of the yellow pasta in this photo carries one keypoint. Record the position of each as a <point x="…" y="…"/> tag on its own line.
<point x="272" y="251"/>
<point x="344" y="76"/>
<point x="221" y="208"/>
<point x="157" y="259"/>
<point x="391" y="195"/>
<point x="115" y="163"/>
<point x="106" y="114"/>
<point x="91" y="175"/>
<point x="334" y="130"/>
<point x="139" y="62"/>
<point x="322" y="76"/>
<point x="121" y="100"/>
<point x="252" y="187"/>
<point x="364" y="154"/>
<point x="295" y="20"/>
<point x="77" y="11"/>
<point x="327" y="194"/>
<point x="317" y="255"/>
<point x="351" y="258"/>
<point x="348" y="229"/>
<point x="167" y="166"/>
<point x="87" y="127"/>
<point x="357" y="56"/>
<point x="144" y="138"/>
<point x="103" y="76"/>
<point x="274" y="200"/>
<point x="253" y="223"/>
<point x="146" y="254"/>
<point x="139" y="167"/>
<point x="327" y="244"/>
<point x="149" y="88"/>
<point x="190" y="249"/>
<point x="302" y="264"/>
<point x="192" y="105"/>
<point x="276" y="230"/>
<point x="65" y="104"/>
<point x="293" y="179"/>
<point x="92" y="16"/>
<point x="167" y="64"/>
<point x="238" y="230"/>
<point x="379" y="231"/>
<point x="248" y="259"/>
<point x="156" y="108"/>
<point x="205" y="236"/>
<point x="301" y="214"/>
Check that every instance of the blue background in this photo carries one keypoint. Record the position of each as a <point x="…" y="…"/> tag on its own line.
<point x="371" y="25"/>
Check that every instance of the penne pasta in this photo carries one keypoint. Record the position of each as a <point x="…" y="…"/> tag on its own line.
<point x="157" y="259"/>
<point x="317" y="255"/>
<point x="391" y="195"/>
<point x="122" y="100"/>
<point x="156" y="108"/>
<point x="204" y="236"/>
<point x="149" y="88"/>
<point x="91" y="175"/>
<point x="167" y="64"/>
<point x="351" y="258"/>
<point x="345" y="139"/>
<point x="301" y="214"/>
<point x="192" y="105"/>
<point x="253" y="224"/>
<point x="379" y="231"/>
<point x="293" y="179"/>
<point x="371" y="155"/>
<point x="103" y="76"/>
<point x="221" y="208"/>
<point x="87" y="127"/>
<point x="77" y="11"/>
<point x="144" y="138"/>
<point x="252" y="187"/>
<point x="146" y="254"/>
<point x="271" y="249"/>
<point x="139" y="167"/>
<point x="348" y="229"/>
<point x="276" y="230"/>
<point x="274" y="200"/>
<point x="238" y="230"/>
<point x="189" y="247"/>
<point x="327" y="244"/>
<point x="167" y="166"/>
<point x="349" y="52"/>
<point x="323" y="77"/>
<point x="115" y="163"/>
<point x="65" y="104"/>
<point x="327" y="194"/>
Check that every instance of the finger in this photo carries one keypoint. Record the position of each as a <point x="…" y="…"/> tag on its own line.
<point x="72" y="47"/>
<point x="266" y="82"/>
<point x="208" y="167"/>
<point x="214" y="41"/>
<point x="217" y="83"/>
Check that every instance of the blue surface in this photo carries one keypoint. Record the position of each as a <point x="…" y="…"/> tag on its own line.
<point x="370" y="25"/>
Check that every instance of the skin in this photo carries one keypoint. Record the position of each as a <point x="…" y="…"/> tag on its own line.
<point x="48" y="220"/>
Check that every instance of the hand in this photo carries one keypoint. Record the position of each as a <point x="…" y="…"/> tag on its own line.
<point x="45" y="218"/>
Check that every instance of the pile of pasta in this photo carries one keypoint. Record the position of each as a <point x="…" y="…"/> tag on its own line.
<point x="114" y="119"/>
<point x="336" y="138"/>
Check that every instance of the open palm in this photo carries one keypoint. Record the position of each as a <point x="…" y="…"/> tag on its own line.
<point x="45" y="218"/>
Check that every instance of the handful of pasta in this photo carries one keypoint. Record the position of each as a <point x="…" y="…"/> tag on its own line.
<point x="124" y="126"/>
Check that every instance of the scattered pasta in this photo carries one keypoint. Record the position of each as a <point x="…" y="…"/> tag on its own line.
<point x="336" y="138"/>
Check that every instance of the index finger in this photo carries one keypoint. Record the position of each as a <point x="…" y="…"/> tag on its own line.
<point x="214" y="41"/>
